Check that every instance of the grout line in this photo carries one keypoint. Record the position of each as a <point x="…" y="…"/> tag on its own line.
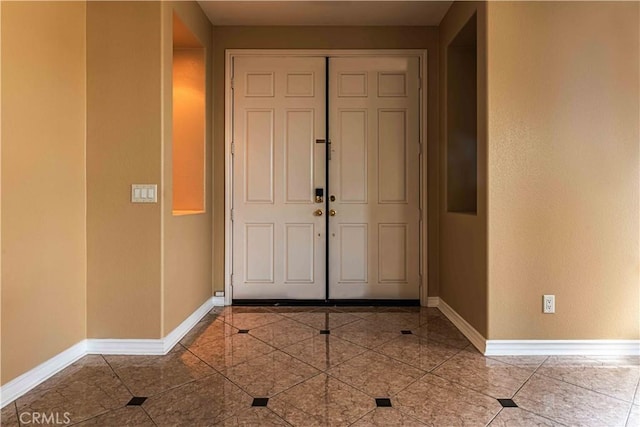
<point x="527" y="380"/>
<point x="633" y="399"/>
<point x="494" y="417"/>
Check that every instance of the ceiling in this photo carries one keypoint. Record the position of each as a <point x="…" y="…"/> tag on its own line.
<point x="339" y="13"/>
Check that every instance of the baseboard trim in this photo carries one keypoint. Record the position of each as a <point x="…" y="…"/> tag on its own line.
<point x="183" y="328"/>
<point x="433" y="301"/>
<point x="218" y="301"/>
<point x="467" y="330"/>
<point x="27" y="381"/>
<point x="562" y="348"/>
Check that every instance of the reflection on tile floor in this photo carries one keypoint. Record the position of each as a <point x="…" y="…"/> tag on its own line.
<point x="431" y="375"/>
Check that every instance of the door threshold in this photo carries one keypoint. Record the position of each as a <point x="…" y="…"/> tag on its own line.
<point x="327" y="303"/>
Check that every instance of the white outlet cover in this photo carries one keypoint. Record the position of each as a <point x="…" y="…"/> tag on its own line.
<point x="144" y="193"/>
<point x="548" y="304"/>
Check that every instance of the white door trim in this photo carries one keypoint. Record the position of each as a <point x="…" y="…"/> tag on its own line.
<point x="228" y="132"/>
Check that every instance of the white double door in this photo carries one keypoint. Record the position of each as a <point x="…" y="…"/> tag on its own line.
<point x="365" y="232"/>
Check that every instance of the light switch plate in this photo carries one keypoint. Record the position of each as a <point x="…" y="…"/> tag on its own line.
<point x="144" y="193"/>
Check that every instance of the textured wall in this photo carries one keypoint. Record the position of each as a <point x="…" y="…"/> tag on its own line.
<point x="563" y="169"/>
<point x="43" y="182"/>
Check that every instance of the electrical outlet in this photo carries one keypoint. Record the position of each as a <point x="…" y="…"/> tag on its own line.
<point x="548" y="303"/>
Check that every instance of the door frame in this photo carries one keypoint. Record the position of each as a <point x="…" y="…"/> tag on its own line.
<point x="230" y="54"/>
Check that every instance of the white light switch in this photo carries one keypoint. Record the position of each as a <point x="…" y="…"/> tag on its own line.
<point x="144" y="193"/>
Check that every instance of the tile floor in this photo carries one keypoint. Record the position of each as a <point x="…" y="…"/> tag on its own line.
<point x="338" y="366"/>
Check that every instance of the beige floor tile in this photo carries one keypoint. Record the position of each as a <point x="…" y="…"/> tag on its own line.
<point x="231" y="350"/>
<point x="242" y="320"/>
<point x="470" y="369"/>
<point x="129" y="416"/>
<point x="321" y="401"/>
<point x="522" y="361"/>
<point x="198" y="403"/>
<point x="387" y="417"/>
<point x="9" y="416"/>
<point x="516" y="417"/>
<point x="438" y="402"/>
<point x="637" y="398"/>
<point x="615" y="377"/>
<point x="442" y="330"/>
<point x="418" y="352"/>
<point x="324" y="351"/>
<point x="365" y="335"/>
<point x="360" y="311"/>
<point x="283" y="333"/>
<point x="270" y="374"/>
<point x="395" y="320"/>
<point x="258" y="417"/>
<point x="207" y="330"/>
<point x="569" y="404"/>
<point x="150" y="375"/>
<point x="85" y="390"/>
<point x="634" y="416"/>
<point x="328" y="320"/>
<point x="289" y="311"/>
<point x="376" y="374"/>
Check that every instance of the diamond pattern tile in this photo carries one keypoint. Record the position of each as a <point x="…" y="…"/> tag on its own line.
<point x="335" y="366"/>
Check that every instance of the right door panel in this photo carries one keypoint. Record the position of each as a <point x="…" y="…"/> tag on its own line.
<point x="374" y="175"/>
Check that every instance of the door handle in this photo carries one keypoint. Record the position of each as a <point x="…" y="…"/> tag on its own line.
<point x="318" y="212"/>
<point x="332" y="212"/>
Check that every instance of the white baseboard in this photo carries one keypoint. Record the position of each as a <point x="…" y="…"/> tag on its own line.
<point x="563" y="348"/>
<point x="25" y="382"/>
<point x="433" y="301"/>
<point x="218" y="301"/>
<point x="467" y="330"/>
<point x="538" y="347"/>
<point x="158" y="346"/>
<point x="176" y="335"/>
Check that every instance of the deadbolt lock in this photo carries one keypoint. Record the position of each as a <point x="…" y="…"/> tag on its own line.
<point x="332" y="198"/>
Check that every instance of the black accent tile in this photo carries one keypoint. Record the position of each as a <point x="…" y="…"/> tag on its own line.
<point x="260" y="401"/>
<point x="383" y="402"/>
<point x="325" y="332"/>
<point x="405" y="332"/>
<point x="136" y="401"/>
<point x="243" y="331"/>
<point x="507" y="403"/>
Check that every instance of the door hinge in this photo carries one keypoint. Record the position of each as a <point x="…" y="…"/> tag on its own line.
<point x="231" y="280"/>
<point x="419" y="82"/>
<point x="232" y="83"/>
<point x="233" y="148"/>
<point x="231" y="215"/>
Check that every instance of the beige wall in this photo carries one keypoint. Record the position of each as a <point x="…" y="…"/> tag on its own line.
<point x="563" y="169"/>
<point x="324" y="38"/>
<point x="123" y="148"/>
<point x="43" y="182"/>
<point x="462" y="236"/>
<point x="187" y="239"/>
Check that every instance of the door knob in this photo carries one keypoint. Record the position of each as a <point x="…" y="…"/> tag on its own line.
<point x="332" y="212"/>
<point x="318" y="212"/>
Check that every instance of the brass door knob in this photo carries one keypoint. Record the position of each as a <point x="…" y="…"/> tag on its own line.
<point x="318" y="212"/>
<point x="332" y="212"/>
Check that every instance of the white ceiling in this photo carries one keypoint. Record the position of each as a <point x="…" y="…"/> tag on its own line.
<point x="325" y="12"/>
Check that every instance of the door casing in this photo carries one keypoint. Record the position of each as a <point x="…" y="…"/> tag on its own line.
<point x="421" y="54"/>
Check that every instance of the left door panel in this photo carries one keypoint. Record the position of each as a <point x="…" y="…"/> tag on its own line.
<point x="279" y="237"/>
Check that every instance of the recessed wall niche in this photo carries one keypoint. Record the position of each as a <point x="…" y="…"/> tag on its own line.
<point x="462" y="135"/>
<point x="189" y="125"/>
